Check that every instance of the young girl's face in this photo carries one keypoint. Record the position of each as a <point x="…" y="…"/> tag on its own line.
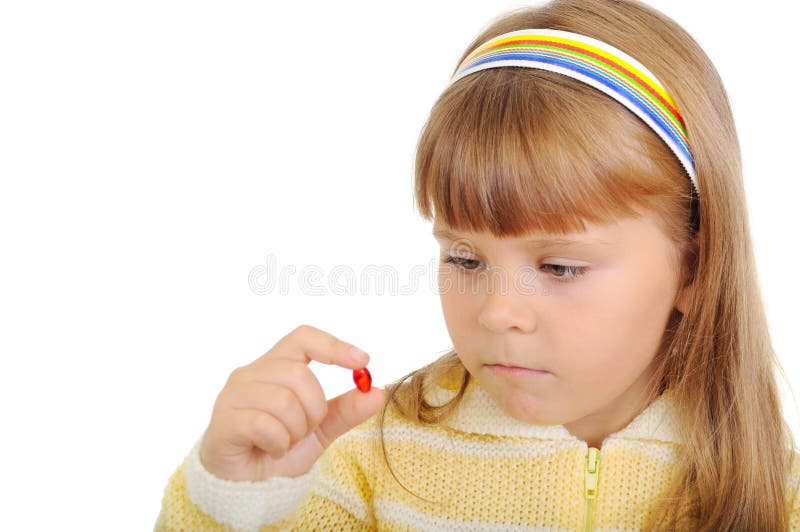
<point x="590" y="312"/>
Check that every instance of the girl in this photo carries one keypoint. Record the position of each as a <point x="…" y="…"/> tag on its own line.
<point x="611" y="367"/>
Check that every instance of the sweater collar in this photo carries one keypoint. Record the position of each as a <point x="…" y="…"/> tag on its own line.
<point x="479" y="413"/>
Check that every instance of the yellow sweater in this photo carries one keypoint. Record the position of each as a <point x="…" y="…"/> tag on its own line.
<point x="480" y="470"/>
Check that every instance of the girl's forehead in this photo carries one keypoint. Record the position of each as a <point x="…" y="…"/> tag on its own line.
<point x="641" y="232"/>
<point x="594" y="233"/>
<point x="536" y="242"/>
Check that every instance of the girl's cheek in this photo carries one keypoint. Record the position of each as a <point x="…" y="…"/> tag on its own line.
<point x="458" y="296"/>
<point x="450" y="305"/>
<point x="443" y="283"/>
<point x="451" y="288"/>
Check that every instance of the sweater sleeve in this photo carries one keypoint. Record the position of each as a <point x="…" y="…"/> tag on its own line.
<point x="341" y="495"/>
<point x="333" y="495"/>
<point x="195" y="499"/>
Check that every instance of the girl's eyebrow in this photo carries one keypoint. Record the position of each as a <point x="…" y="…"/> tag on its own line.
<point x="541" y="242"/>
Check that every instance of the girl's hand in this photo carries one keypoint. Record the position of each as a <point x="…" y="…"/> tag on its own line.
<point x="271" y="417"/>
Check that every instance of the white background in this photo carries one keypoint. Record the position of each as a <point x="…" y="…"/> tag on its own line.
<point x="153" y="153"/>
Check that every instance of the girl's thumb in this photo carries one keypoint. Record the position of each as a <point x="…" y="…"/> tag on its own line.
<point x="348" y="410"/>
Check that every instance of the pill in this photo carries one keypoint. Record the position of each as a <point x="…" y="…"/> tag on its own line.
<point x="363" y="379"/>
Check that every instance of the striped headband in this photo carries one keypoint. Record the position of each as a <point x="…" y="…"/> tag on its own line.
<point x="595" y="63"/>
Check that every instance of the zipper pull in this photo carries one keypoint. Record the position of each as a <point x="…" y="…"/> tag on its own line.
<point x="592" y="466"/>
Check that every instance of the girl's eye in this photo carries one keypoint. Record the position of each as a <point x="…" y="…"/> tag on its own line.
<point x="561" y="273"/>
<point x="461" y="262"/>
<point x="567" y="273"/>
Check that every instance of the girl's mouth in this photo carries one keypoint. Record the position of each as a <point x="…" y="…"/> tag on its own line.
<point x="515" y="370"/>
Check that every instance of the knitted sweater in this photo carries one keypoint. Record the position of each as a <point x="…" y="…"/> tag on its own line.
<point x="480" y="469"/>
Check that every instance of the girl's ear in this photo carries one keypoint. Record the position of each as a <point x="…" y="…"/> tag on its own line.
<point x="687" y="286"/>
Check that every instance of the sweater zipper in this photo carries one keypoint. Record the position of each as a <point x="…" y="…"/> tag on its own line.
<point x="590" y="485"/>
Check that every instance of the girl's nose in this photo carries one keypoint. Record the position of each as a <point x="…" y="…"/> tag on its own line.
<point x="506" y="308"/>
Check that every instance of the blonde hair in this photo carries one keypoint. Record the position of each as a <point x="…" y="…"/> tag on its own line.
<point x="513" y="150"/>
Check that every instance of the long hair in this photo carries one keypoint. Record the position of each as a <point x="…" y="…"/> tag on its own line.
<point x="514" y="150"/>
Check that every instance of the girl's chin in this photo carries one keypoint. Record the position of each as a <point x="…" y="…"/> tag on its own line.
<point x="527" y="407"/>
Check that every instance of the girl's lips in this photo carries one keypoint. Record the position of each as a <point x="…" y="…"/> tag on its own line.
<point x="516" y="370"/>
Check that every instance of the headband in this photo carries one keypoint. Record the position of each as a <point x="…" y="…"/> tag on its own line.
<point x="595" y="63"/>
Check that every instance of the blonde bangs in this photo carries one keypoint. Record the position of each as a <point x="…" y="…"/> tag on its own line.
<point x="516" y="150"/>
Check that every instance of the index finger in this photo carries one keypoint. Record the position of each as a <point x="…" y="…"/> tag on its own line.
<point x="306" y="343"/>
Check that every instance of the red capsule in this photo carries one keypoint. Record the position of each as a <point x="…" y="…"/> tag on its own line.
<point x="363" y="379"/>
